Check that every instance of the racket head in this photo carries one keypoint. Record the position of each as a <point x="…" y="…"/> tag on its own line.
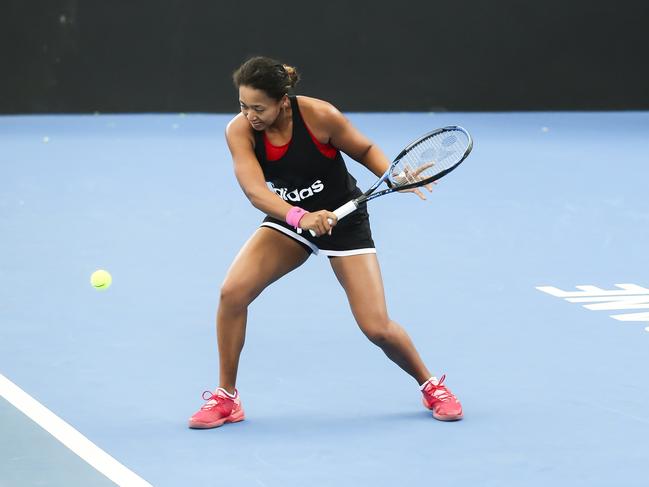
<point x="430" y="157"/>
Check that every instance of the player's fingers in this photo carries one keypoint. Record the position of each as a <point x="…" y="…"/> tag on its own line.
<point x="330" y="224"/>
<point x="320" y="226"/>
<point x="429" y="187"/>
<point x="327" y="221"/>
<point x="323" y="224"/>
<point x="420" y="194"/>
<point x="314" y="226"/>
<point x="424" y="167"/>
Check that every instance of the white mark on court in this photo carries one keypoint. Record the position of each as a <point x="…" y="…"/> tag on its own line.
<point x="70" y="437"/>
<point x="628" y="296"/>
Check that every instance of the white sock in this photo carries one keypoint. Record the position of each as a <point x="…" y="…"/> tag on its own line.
<point x="433" y="379"/>
<point x="231" y="396"/>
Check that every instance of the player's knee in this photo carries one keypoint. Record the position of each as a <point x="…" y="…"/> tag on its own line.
<point x="377" y="337"/>
<point x="378" y="333"/>
<point x="234" y="295"/>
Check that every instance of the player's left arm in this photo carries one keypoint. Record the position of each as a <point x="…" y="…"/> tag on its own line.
<point x="352" y="142"/>
<point x="347" y="138"/>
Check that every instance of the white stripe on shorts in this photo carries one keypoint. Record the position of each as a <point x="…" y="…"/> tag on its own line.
<point x="292" y="234"/>
<point x="343" y="253"/>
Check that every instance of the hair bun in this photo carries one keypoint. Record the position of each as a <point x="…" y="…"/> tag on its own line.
<point x="293" y="75"/>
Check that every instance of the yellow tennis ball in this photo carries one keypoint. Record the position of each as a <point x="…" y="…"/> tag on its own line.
<point x="101" y="279"/>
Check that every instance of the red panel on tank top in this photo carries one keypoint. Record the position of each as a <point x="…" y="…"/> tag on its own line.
<point x="274" y="152"/>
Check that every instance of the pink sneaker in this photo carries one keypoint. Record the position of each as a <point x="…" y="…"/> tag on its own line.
<point x="220" y="408"/>
<point x="440" y="400"/>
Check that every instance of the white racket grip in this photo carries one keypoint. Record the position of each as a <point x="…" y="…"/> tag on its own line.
<point x="345" y="209"/>
<point x="341" y="212"/>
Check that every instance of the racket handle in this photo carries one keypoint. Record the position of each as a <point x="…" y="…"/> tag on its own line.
<point x="341" y="213"/>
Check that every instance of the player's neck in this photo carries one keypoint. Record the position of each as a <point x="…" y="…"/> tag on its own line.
<point x="283" y="124"/>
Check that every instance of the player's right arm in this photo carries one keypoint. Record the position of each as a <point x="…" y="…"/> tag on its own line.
<point x="248" y="170"/>
<point x="251" y="178"/>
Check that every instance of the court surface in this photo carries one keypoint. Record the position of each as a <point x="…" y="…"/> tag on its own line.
<point x="554" y="393"/>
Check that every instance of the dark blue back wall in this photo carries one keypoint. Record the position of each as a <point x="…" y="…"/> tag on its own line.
<point x="178" y="55"/>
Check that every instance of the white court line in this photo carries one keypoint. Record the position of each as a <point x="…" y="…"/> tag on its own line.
<point x="70" y="437"/>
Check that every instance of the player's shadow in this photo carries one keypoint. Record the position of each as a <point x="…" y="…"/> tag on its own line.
<point x="337" y="424"/>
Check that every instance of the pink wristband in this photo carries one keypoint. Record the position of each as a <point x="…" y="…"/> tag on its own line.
<point x="294" y="216"/>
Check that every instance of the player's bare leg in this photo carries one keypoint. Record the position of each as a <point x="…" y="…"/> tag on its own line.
<point x="266" y="256"/>
<point x="360" y="276"/>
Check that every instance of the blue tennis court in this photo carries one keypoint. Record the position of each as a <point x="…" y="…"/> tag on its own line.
<point x="553" y="381"/>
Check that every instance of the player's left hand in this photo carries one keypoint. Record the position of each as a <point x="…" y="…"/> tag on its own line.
<point x="410" y="176"/>
<point x="421" y="195"/>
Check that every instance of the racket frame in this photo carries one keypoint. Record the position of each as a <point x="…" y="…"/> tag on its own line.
<point x="370" y="194"/>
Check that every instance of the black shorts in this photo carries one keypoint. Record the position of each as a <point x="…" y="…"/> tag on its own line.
<point x="351" y="235"/>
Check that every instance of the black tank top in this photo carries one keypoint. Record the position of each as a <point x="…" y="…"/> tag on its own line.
<point x="304" y="176"/>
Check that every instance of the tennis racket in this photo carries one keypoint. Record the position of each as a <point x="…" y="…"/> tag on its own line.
<point x="427" y="159"/>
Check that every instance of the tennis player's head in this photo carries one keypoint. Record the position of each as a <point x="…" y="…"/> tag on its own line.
<point x="263" y="85"/>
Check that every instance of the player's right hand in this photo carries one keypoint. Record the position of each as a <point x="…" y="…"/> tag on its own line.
<point x="320" y="222"/>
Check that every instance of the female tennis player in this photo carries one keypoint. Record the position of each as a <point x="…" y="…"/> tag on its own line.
<point x="295" y="144"/>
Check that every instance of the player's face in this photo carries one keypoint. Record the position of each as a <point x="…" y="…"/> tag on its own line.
<point x="260" y="110"/>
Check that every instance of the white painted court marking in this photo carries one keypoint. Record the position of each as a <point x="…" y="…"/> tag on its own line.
<point x="628" y="296"/>
<point x="70" y="437"/>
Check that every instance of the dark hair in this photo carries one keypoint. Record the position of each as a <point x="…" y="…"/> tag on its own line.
<point x="266" y="74"/>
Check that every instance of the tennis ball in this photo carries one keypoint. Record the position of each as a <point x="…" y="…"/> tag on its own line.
<point x="101" y="279"/>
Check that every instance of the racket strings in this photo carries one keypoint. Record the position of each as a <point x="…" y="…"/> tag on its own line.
<point x="430" y="157"/>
